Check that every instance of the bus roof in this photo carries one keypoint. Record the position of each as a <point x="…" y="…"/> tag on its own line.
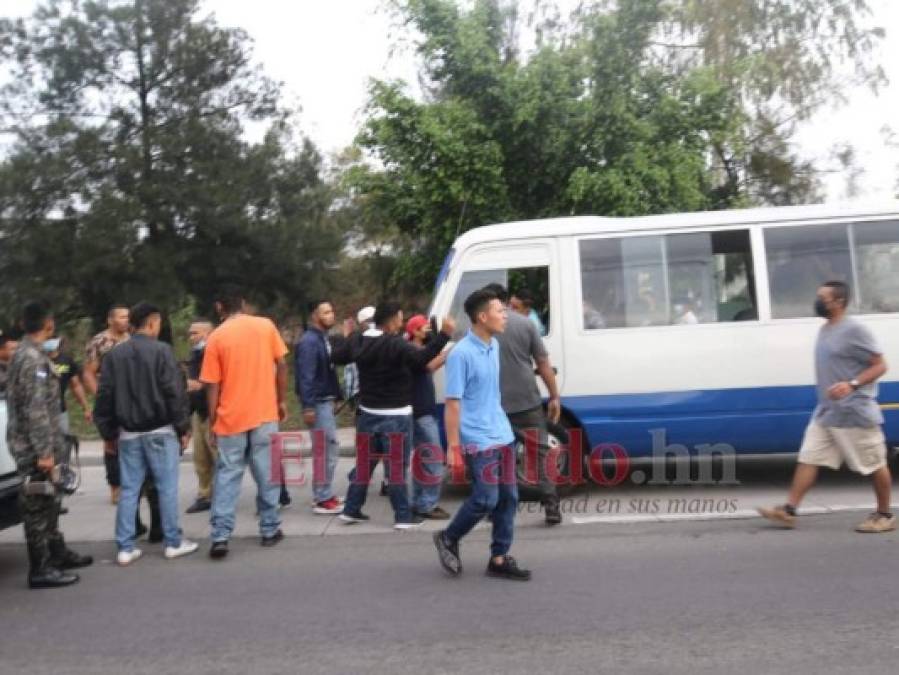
<point x="581" y="225"/>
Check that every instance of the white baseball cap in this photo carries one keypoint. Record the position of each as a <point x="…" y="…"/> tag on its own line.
<point x="365" y="314"/>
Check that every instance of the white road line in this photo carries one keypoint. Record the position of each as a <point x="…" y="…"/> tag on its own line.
<point x="739" y="514"/>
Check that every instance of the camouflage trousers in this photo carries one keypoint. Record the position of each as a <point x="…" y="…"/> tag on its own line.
<point x="40" y="516"/>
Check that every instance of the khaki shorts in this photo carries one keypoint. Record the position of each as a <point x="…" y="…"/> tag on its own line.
<point x="864" y="449"/>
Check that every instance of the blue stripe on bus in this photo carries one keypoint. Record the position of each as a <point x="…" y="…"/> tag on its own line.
<point x="752" y="420"/>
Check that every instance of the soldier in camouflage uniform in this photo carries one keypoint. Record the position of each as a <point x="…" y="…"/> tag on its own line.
<point x="36" y="443"/>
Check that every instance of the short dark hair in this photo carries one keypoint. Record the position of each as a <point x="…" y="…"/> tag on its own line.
<point x="840" y="290"/>
<point x="499" y="290"/>
<point x="34" y="316"/>
<point x="525" y="295"/>
<point x="140" y="314"/>
<point x="230" y="297"/>
<point x="385" y="311"/>
<point x="313" y="306"/>
<point x="477" y="302"/>
<point x="116" y="307"/>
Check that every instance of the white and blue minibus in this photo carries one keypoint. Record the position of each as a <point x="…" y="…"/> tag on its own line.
<point x="692" y="329"/>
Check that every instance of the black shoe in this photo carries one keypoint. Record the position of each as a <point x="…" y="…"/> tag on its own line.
<point x="71" y="560"/>
<point x="218" y="550"/>
<point x="411" y="524"/>
<point x="199" y="505"/>
<point x="507" y="570"/>
<point x="553" y="513"/>
<point x="274" y="539"/>
<point x="448" y="554"/>
<point x="383" y="492"/>
<point x="351" y="518"/>
<point x="435" y="514"/>
<point x="50" y="577"/>
<point x="284" y="498"/>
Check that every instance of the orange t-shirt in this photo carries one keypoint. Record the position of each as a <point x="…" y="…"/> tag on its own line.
<point x="240" y="357"/>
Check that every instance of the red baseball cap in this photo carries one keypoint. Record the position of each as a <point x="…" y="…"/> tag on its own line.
<point x="414" y="324"/>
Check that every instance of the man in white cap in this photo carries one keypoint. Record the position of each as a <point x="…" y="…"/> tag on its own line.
<point x="350" y="372"/>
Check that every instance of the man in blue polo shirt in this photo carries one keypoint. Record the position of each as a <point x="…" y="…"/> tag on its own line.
<point x="477" y="425"/>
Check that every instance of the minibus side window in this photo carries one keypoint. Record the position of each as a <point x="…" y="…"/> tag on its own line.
<point x="633" y="282"/>
<point x="802" y="258"/>
<point x="529" y="287"/>
<point x="623" y="282"/>
<point x="877" y="262"/>
<point x="711" y="277"/>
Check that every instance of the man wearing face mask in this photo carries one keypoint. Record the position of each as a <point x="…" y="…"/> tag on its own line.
<point x="846" y="425"/>
<point x="36" y="443"/>
<point x="204" y="453"/>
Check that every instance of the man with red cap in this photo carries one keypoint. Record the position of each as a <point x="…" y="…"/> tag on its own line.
<point x="428" y="456"/>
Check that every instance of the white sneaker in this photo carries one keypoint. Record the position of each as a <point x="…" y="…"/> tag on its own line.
<point x="411" y="525"/>
<point x="187" y="547"/>
<point x="125" y="558"/>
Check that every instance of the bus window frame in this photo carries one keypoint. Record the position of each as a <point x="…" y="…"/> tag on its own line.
<point x="751" y="228"/>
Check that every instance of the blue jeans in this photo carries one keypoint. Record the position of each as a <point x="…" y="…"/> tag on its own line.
<point x="235" y="452"/>
<point x="426" y="442"/>
<point x="327" y="424"/>
<point x="376" y="430"/>
<point x="494" y="490"/>
<point x="160" y="454"/>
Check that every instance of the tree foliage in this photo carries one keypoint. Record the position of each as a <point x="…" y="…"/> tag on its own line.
<point x="628" y="107"/>
<point x="130" y="174"/>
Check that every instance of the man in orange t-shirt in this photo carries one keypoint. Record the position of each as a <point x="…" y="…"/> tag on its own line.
<point x="246" y="385"/>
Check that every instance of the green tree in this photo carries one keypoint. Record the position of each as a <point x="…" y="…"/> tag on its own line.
<point x="130" y="174"/>
<point x="630" y="107"/>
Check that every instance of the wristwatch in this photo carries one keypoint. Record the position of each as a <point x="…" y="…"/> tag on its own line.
<point x="854" y="383"/>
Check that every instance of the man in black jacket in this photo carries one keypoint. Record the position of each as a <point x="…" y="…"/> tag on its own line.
<point x="384" y="423"/>
<point x="142" y="412"/>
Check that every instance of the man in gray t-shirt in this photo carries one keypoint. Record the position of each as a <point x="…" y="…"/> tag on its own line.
<point x="520" y="351"/>
<point x="846" y="423"/>
<point x="843" y="350"/>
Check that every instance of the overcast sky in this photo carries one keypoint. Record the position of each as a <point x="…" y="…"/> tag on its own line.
<point x="324" y="51"/>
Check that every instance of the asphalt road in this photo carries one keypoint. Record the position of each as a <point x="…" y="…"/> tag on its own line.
<point x="698" y="597"/>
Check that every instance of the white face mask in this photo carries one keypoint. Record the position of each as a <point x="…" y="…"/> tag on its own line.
<point x="199" y="346"/>
<point x="50" y="345"/>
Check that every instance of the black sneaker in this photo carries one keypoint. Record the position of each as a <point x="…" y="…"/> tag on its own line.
<point x="448" y="554"/>
<point x="383" y="490"/>
<point x="218" y="550"/>
<point x="412" y="523"/>
<point x="434" y="514"/>
<point x="351" y="518"/>
<point x="552" y="511"/>
<point x="507" y="570"/>
<point x="273" y="540"/>
<point x="199" y="505"/>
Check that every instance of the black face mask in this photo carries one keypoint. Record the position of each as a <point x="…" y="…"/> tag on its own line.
<point x="821" y="309"/>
